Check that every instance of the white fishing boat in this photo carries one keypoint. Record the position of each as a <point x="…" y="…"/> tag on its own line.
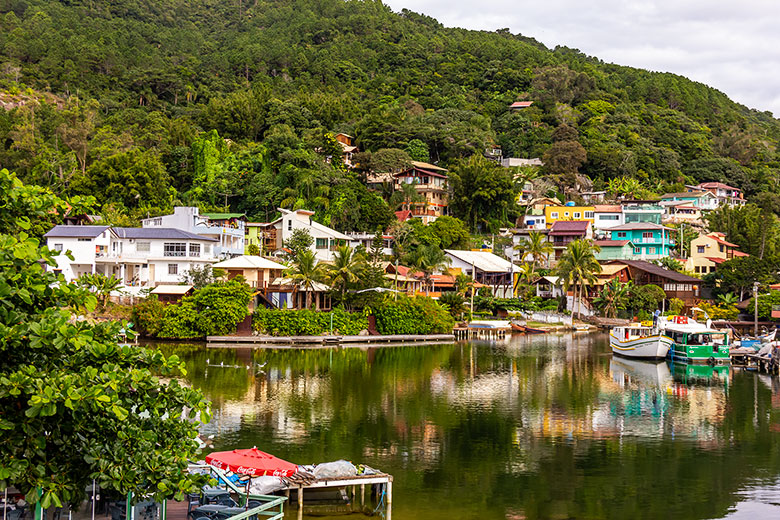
<point x="639" y="341"/>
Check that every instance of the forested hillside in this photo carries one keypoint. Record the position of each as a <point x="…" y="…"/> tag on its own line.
<point x="146" y="104"/>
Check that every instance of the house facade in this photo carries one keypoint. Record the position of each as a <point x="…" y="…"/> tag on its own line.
<point x="139" y="257"/>
<point x="651" y="241"/>
<point x="709" y="251"/>
<point x="568" y="212"/>
<point x="431" y="183"/>
<point x="642" y="211"/>
<point x="723" y="192"/>
<point x="674" y="284"/>
<point x="615" y="250"/>
<point x="565" y="232"/>
<point x="681" y="212"/>
<point x="606" y="216"/>
<point x="326" y="240"/>
<point x="703" y="200"/>
<point x="227" y="229"/>
<point x="485" y="268"/>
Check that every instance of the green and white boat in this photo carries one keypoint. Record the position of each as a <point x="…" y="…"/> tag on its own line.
<point x="694" y="342"/>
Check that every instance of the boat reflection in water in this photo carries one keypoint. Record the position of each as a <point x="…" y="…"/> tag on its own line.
<point x="652" y="398"/>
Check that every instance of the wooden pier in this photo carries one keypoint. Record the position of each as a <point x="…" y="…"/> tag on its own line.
<point x="382" y="482"/>
<point x="749" y="359"/>
<point x="325" y="341"/>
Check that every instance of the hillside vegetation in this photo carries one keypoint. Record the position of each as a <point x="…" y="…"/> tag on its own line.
<point x="147" y="104"/>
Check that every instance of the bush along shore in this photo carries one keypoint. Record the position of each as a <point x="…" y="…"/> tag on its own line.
<point x="418" y="315"/>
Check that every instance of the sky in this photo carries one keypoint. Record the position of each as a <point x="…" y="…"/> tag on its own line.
<point x="731" y="46"/>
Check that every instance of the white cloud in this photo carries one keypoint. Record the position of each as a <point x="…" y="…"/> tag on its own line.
<point x="729" y="46"/>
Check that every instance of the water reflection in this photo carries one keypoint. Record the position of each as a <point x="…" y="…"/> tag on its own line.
<point x="533" y="427"/>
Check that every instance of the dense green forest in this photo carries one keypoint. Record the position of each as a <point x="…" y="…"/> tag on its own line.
<point x="147" y="104"/>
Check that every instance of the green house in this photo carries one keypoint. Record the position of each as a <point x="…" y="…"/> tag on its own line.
<point x="615" y="250"/>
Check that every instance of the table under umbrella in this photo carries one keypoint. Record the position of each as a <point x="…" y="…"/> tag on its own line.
<point x="251" y="462"/>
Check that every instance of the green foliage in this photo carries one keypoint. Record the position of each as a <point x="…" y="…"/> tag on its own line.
<point x="722" y="311"/>
<point x="74" y="405"/>
<point x="765" y="304"/>
<point x="676" y="306"/>
<point x="455" y="304"/>
<point x="253" y="250"/>
<point x="418" y="150"/>
<point x="200" y="277"/>
<point x="305" y="272"/>
<point x="148" y="315"/>
<point x="755" y="230"/>
<point x="99" y="284"/>
<point x="305" y="322"/>
<point x="300" y="240"/>
<point x="483" y="193"/>
<point x="416" y="315"/>
<point x="670" y="263"/>
<point x="738" y="275"/>
<point x="578" y="266"/>
<point x="613" y="298"/>
<point x="213" y="310"/>
<point x="645" y="299"/>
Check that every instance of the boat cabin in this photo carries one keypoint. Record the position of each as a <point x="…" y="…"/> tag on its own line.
<point x="632" y="332"/>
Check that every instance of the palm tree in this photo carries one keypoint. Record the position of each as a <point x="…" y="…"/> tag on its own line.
<point x="577" y="267"/>
<point x="727" y="300"/>
<point x="306" y="272"/>
<point x="406" y="196"/>
<point x="537" y="246"/>
<point x="427" y="260"/>
<point x="346" y="268"/>
<point x="613" y="298"/>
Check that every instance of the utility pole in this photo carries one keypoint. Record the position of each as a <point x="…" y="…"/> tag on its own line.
<point x="473" y="280"/>
<point x="755" y="309"/>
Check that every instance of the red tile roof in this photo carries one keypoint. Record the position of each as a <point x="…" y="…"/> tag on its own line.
<point x="716" y="185"/>
<point x="721" y="241"/>
<point x="715" y="260"/>
<point x="607" y="208"/>
<point x="521" y="104"/>
<point x="739" y="253"/>
<point x="403" y="216"/>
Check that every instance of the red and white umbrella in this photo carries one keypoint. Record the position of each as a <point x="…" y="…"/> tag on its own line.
<point x="252" y="462"/>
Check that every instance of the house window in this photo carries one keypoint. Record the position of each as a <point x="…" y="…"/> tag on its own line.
<point x="697" y="269"/>
<point x="621" y="234"/>
<point x="700" y="249"/>
<point x="58" y="247"/>
<point x="194" y="249"/>
<point x="289" y="225"/>
<point x="207" y="249"/>
<point x="322" y="243"/>
<point x="652" y="251"/>
<point x="647" y="234"/>
<point x="721" y="248"/>
<point x="712" y="268"/>
<point x="554" y="214"/>
<point x="143" y="247"/>
<point x="565" y="213"/>
<point x="577" y="214"/>
<point x="589" y="214"/>
<point x="637" y="250"/>
<point x="85" y="240"/>
<point x="606" y="217"/>
<point x="173" y="268"/>
<point x="175" y="249"/>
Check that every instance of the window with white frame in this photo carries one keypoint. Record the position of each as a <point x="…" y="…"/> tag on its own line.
<point x="322" y="243"/>
<point x="194" y="249"/>
<point x="637" y="250"/>
<point x="143" y="247"/>
<point x="577" y="214"/>
<point x="554" y="214"/>
<point x="206" y="249"/>
<point x="85" y="240"/>
<point x="58" y="247"/>
<point x="700" y="249"/>
<point x="589" y="214"/>
<point x="175" y="249"/>
<point x="173" y="268"/>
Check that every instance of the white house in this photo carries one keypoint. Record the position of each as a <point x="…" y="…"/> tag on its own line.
<point x="486" y="268"/>
<point x="326" y="240"/>
<point x="606" y="216"/>
<point x="86" y="244"/>
<point x="140" y="257"/>
<point x="228" y="229"/>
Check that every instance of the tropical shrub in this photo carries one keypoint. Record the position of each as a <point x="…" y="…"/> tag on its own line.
<point x="305" y="322"/>
<point x="148" y="315"/>
<point x="418" y="315"/>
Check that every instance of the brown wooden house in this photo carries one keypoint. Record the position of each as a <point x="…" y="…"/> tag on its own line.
<point x="674" y="284"/>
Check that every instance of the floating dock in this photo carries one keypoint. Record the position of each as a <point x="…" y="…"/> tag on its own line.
<point x="325" y="341"/>
<point x="749" y="359"/>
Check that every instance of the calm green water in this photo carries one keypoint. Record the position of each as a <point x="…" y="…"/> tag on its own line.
<point x="534" y="427"/>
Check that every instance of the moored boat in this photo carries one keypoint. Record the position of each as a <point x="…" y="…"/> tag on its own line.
<point x="639" y="341"/>
<point x="694" y="342"/>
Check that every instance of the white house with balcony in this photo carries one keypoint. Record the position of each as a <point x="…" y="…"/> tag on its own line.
<point x="139" y="257"/>
<point x="326" y="240"/>
<point x="228" y="229"/>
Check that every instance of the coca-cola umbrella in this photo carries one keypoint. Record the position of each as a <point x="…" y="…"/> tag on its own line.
<point x="251" y="462"/>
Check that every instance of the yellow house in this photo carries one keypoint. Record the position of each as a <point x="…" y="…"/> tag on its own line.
<point x="553" y="214"/>
<point x="708" y="251"/>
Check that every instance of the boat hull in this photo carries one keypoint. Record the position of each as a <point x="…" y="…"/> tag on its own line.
<point x="646" y="347"/>
<point x="699" y="354"/>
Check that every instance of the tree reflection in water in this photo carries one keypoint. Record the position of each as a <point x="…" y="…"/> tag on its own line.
<point x="535" y="427"/>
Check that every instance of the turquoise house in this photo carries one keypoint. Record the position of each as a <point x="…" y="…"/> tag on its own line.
<point x="650" y="241"/>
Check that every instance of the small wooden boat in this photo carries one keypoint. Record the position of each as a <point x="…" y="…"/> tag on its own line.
<point x="516" y="327"/>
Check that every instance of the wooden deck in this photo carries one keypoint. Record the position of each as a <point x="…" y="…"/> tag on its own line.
<point x="324" y="341"/>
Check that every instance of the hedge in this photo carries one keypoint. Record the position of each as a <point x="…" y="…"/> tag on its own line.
<point x="402" y="316"/>
<point x="285" y="322"/>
